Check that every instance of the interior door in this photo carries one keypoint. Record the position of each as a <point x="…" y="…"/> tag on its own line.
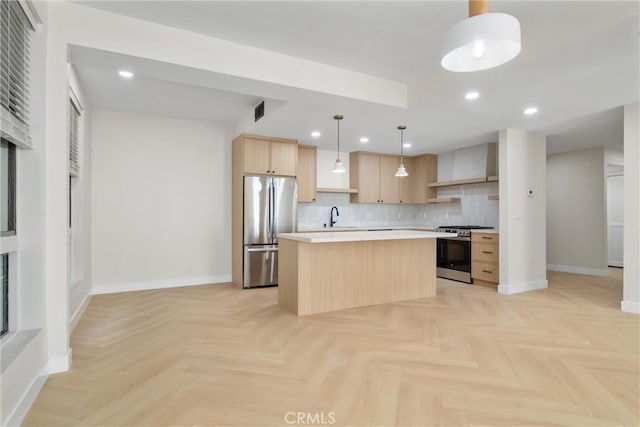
<point x="615" y="219"/>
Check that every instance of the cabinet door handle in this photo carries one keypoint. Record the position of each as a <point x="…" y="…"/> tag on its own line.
<point x="486" y="252"/>
<point x="268" y="171"/>
<point x="273" y="171"/>
<point x="487" y="238"/>
<point x="487" y="271"/>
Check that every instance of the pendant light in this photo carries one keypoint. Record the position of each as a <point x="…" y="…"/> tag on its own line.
<point x="484" y="40"/>
<point x="401" y="169"/>
<point x="338" y="167"/>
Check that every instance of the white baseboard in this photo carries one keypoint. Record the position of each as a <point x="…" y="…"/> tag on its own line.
<point x="75" y="318"/>
<point x="159" y="284"/>
<point x="577" y="270"/>
<point x="630" y="307"/>
<point x="28" y="397"/>
<point x="59" y="364"/>
<point x="522" y="287"/>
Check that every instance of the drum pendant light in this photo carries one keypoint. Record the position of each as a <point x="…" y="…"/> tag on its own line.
<point x="401" y="169"/>
<point x="338" y="167"/>
<point x="484" y="40"/>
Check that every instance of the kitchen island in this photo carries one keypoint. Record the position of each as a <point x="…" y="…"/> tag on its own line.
<point x="328" y="271"/>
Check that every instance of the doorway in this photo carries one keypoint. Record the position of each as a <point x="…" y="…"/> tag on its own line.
<point x="615" y="219"/>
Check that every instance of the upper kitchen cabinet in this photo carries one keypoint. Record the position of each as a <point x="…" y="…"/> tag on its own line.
<point x="267" y="156"/>
<point x="307" y="173"/>
<point x="374" y="176"/>
<point x="389" y="183"/>
<point x="421" y="169"/>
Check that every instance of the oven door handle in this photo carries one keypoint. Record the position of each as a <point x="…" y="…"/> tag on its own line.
<point x="460" y="239"/>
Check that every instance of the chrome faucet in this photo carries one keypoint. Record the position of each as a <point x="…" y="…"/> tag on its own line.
<point x="331" y="222"/>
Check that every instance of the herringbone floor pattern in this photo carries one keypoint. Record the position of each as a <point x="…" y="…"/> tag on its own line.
<point x="216" y="355"/>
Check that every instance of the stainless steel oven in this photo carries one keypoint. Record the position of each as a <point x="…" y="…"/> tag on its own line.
<point x="454" y="253"/>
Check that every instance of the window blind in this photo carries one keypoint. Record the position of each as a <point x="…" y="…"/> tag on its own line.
<point x="15" y="30"/>
<point x="74" y="140"/>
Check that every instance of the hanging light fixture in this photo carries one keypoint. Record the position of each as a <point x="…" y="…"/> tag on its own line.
<point x="338" y="167"/>
<point x="484" y="40"/>
<point x="402" y="171"/>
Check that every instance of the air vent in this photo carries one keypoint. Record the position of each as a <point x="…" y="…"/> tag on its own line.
<point x="258" y="112"/>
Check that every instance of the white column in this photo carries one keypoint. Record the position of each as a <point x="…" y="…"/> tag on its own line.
<point x="523" y="201"/>
<point x="631" y="294"/>
<point x="56" y="196"/>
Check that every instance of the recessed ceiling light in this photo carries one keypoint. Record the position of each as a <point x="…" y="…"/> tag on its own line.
<point x="530" y="111"/>
<point x="315" y="134"/>
<point x="364" y="139"/>
<point x="407" y="145"/>
<point x="471" y="95"/>
<point x="125" y="74"/>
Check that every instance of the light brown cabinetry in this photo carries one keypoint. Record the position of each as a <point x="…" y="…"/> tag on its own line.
<point x="389" y="183"/>
<point x="485" y="257"/>
<point x="374" y="177"/>
<point x="268" y="156"/>
<point x="306" y="173"/>
<point x="421" y="169"/>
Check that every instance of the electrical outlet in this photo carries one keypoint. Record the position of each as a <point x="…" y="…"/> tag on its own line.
<point x="424" y="215"/>
<point x="398" y="215"/>
<point x="368" y="216"/>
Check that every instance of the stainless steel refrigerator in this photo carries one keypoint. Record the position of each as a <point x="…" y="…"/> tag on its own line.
<point x="270" y="207"/>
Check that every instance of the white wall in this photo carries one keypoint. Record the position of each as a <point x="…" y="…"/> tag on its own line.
<point x="631" y="298"/>
<point x="576" y="212"/>
<point x="522" y="159"/>
<point x="161" y="202"/>
<point x="325" y="160"/>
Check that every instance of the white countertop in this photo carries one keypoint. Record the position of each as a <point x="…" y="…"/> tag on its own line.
<point x="360" y="228"/>
<point x="357" y="236"/>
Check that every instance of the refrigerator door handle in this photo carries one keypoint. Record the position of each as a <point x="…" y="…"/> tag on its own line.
<point x="274" y="231"/>
<point x="269" y="211"/>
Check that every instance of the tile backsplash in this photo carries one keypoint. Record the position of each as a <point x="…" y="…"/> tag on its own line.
<point x="474" y="208"/>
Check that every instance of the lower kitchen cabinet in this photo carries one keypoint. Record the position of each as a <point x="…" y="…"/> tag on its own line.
<point x="485" y="256"/>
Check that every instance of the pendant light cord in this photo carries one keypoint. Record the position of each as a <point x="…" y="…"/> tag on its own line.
<point x="401" y="146"/>
<point x="338" y="138"/>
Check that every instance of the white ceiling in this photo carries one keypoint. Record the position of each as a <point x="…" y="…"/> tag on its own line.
<point x="578" y="59"/>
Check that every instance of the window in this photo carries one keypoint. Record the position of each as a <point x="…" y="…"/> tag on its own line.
<point x="74" y="139"/>
<point x="7" y="188"/>
<point x="15" y="30"/>
<point x="16" y="25"/>
<point x="4" y="309"/>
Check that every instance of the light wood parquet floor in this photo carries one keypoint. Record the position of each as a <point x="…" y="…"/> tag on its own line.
<point x="217" y="355"/>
